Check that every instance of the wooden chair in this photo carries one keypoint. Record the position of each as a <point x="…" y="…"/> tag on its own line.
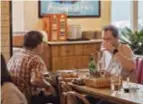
<point x="23" y="87"/>
<point x="63" y="87"/>
<point x="72" y="97"/>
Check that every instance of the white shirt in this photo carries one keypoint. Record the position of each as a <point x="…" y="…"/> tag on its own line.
<point x="114" y="67"/>
<point x="110" y="64"/>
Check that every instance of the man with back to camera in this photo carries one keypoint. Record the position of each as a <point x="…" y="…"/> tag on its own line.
<point x="28" y="65"/>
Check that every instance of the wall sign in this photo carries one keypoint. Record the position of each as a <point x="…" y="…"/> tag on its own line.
<point x="73" y="8"/>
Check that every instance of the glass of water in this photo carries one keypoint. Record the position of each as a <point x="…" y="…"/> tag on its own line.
<point x="116" y="83"/>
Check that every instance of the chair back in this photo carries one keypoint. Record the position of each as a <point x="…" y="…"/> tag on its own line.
<point x="72" y="97"/>
<point x="63" y="87"/>
<point x="23" y="87"/>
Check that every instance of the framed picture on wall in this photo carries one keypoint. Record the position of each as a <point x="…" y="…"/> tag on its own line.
<point x="73" y="8"/>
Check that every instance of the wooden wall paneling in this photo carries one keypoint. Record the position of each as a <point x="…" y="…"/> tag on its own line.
<point x="85" y="61"/>
<point x="72" y="62"/>
<point x="73" y="56"/>
<point x="98" y="47"/>
<point x="79" y="62"/>
<point x="66" y="50"/>
<point x="64" y="62"/>
<point x="78" y="49"/>
<point x="89" y="49"/>
<point x="56" y="64"/>
<point x="55" y="51"/>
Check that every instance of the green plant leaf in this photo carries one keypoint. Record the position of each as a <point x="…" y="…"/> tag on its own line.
<point x="133" y="38"/>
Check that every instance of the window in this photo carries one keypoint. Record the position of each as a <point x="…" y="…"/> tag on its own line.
<point x="140" y="14"/>
<point x="120" y="13"/>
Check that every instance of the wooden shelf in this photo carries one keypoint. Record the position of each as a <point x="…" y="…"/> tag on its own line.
<point x="71" y="56"/>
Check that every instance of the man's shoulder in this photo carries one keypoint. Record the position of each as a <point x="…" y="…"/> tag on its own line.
<point x="125" y="46"/>
<point x="126" y="49"/>
<point x="37" y="60"/>
<point x="36" y="57"/>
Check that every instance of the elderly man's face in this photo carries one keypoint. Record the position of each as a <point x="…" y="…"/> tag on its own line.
<point x="108" y="37"/>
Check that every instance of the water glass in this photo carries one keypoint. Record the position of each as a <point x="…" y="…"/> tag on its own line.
<point x="116" y="83"/>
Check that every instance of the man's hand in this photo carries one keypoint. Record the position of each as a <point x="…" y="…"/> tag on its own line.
<point x="39" y="80"/>
<point x="108" y="46"/>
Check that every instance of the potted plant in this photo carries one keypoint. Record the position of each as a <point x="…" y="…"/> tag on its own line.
<point x="134" y="39"/>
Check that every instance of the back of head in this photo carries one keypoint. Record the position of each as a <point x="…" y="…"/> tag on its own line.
<point x="32" y="39"/>
<point x="113" y="29"/>
<point x="5" y="76"/>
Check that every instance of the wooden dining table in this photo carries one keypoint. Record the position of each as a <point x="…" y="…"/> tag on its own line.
<point x="120" y="97"/>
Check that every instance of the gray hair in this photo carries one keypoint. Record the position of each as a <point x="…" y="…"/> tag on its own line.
<point x="112" y="28"/>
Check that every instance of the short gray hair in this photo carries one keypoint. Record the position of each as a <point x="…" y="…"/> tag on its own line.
<point x="112" y="28"/>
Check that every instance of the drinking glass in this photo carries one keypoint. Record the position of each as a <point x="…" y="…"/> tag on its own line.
<point x="116" y="83"/>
